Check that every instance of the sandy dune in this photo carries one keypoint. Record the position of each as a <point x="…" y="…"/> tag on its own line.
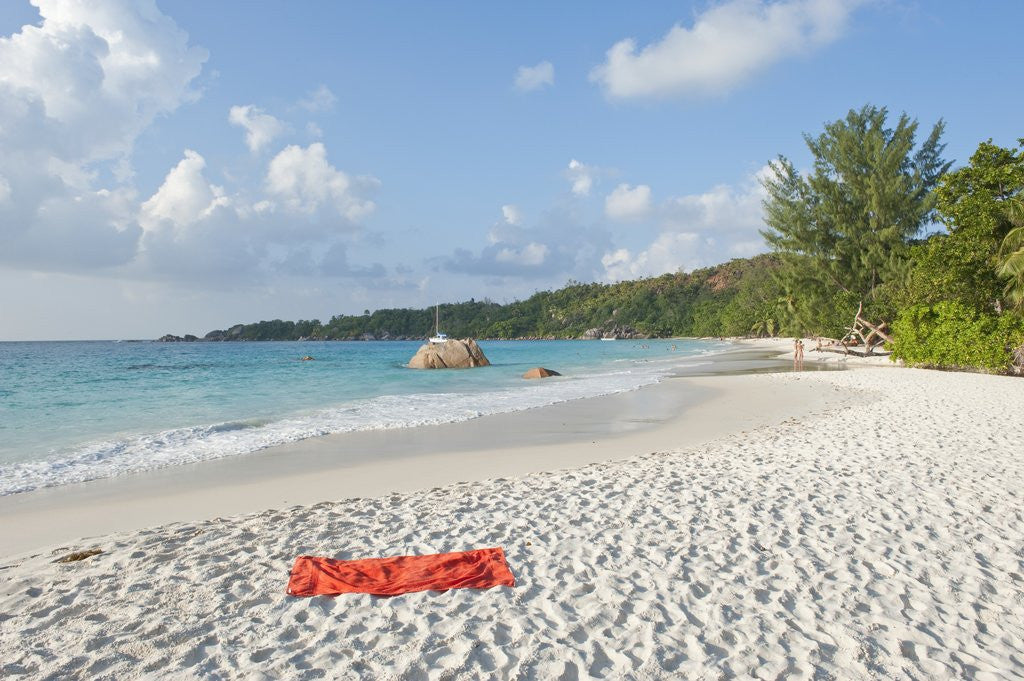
<point x="879" y="540"/>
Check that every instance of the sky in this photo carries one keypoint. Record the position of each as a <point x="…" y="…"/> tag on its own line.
<point x="177" y="167"/>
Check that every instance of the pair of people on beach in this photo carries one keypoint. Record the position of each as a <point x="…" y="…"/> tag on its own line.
<point x="798" y="350"/>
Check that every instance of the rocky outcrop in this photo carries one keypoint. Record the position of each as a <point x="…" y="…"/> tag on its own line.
<point x="171" y="338"/>
<point x="540" y="372"/>
<point x="618" y="332"/>
<point x="234" y="333"/>
<point x="452" y="354"/>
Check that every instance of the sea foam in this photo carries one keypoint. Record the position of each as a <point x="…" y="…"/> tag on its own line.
<point x="177" y="446"/>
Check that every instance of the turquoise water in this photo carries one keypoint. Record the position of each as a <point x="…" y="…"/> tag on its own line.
<point x="74" y="411"/>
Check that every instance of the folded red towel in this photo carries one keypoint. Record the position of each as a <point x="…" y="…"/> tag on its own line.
<point x="479" y="569"/>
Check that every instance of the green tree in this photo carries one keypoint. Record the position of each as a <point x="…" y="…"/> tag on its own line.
<point x="765" y="326"/>
<point x="844" y="229"/>
<point x="972" y="203"/>
<point x="952" y="335"/>
<point x="1011" y="254"/>
<point x="723" y="300"/>
<point x="753" y="301"/>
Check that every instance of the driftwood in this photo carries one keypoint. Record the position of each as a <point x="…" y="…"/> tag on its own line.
<point x="846" y="350"/>
<point x="1018" y="360"/>
<point x="870" y="336"/>
<point x="78" y="555"/>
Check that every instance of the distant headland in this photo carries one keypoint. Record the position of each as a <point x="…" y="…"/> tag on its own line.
<point x="731" y="299"/>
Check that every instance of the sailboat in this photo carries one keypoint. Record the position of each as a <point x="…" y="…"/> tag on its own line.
<point x="438" y="337"/>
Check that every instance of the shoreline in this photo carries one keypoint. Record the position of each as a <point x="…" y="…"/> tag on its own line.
<point x="165" y="408"/>
<point x="854" y="524"/>
<point x="697" y="404"/>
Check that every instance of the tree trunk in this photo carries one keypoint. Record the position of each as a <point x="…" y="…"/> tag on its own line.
<point x="874" y="332"/>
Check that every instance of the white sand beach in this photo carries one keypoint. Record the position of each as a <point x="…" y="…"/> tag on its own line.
<point x="851" y="524"/>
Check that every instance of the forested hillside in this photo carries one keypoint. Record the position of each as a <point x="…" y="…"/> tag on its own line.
<point x="882" y="228"/>
<point x="736" y="298"/>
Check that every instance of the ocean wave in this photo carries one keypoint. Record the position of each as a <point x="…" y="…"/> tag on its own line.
<point x="151" y="451"/>
<point x="150" y="366"/>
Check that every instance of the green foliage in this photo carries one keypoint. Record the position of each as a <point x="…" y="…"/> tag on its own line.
<point x="766" y="326"/>
<point x="954" y="290"/>
<point x="972" y="203"/>
<point x="973" y="198"/>
<point x="724" y="300"/>
<point x="845" y="228"/>
<point x="1011" y="255"/>
<point x="952" y="335"/>
<point x="802" y="313"/>
<point x="842" y="236"/>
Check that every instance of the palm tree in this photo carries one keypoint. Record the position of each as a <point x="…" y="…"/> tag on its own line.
<point x="765" y="326"/>
<point x="1011" y="254"/>
<point x="787" y="309"/>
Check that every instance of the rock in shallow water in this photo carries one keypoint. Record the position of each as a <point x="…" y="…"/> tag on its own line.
<point x="452" y="354"/>
<point x="540" y="372"/>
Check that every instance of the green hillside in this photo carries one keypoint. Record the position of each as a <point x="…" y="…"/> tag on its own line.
<point x="729" y="299"/>
<point x="882" y="233"/>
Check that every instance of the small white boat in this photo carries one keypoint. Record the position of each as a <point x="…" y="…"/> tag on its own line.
<point x="438" y="337"/>
<point x="609" y="339"/>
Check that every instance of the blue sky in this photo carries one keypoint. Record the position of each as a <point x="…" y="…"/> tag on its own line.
<point x="182" y="166"/>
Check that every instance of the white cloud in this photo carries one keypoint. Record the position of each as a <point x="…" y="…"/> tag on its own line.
<point x="96" y="74"/>
<point x="745" y="249"/>
<point x="628" y="203"/>
<point x="184" y="198"/>
<point x="530" y="255"/>
<point x="77" y="90"/>
<point x="670" y="252"/>
<point x="698" y="230"/>
<point x="260" y="128"/>
<point x="50" y="227"/>
<point x="509" y="228"/>
<point x="723" y="209"/>
<point x="75" y="93"/>
<point x="727" y="44"/>
<point x="304" y="181"/>
<point x="581" y="176"/>
<point x="559" y="245"/>
<point x="510" y="212"/>
<point x="320" y="99"/>
<point x="529" y="78"/>
<point x="195" y="231"/>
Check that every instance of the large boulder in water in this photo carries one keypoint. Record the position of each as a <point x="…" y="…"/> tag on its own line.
<point x="540" y="372"/>
<point x="452" y="354"/>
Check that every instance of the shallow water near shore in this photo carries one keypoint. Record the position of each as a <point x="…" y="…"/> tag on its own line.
<point x="75" y="411"/>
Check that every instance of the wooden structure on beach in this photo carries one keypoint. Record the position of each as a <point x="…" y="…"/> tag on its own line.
<point x="862" y="334"/>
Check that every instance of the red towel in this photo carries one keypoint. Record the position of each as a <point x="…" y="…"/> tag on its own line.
<point x="479" y="569"/>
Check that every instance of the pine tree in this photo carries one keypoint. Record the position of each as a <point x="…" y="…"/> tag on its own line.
<point x="844" y="229"/>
